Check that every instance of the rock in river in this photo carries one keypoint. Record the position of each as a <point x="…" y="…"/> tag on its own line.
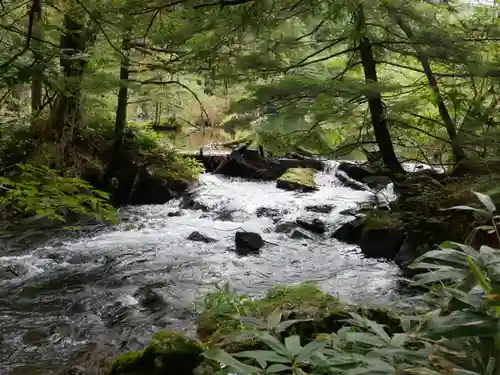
<point x="248" y="243"/>
<point x="200" y="237"/>
<point x="350" y="232"/>
<point x="297" y="179"/>
<point x="321" y="208"/>
<point x="314" y="225"/>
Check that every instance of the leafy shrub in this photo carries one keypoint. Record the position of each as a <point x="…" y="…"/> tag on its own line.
<point x="38" y="192"/>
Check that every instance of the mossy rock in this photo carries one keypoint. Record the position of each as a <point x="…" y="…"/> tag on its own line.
<point x="322" y="313"/>
<point x="168" y="353"/>
<point x="297" y="179"/>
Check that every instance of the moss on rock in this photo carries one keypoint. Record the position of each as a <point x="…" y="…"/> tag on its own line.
<point x="321" y="313"/>
<point x="297" y="179"/>
<point x="168" y="353"/>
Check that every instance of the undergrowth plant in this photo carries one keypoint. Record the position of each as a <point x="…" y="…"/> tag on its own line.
<point x="455" y="330"/>
<point x="34" y="193"/>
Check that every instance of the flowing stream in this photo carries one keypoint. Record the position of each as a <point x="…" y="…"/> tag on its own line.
<point x="117" y="286"/>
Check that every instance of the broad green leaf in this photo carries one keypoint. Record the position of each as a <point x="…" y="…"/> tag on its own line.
<point x="440" y="275"/>
<point x="308" y="351"/>
<point x="486" y="201"/>
<point x="274" y="319"/>
<point x="283" y="326"/>
<point x="448" y="255"/>
<point x="299" y="371"/>
<point x="399" y="339"/>
<point x="224" y="358"/>
<point x="457" y="371"/>
<point x="478" y="274"/>
<point x="461" y="324"/>
<point x="272" y="342"/>
<point x="364" y="338"/>
<point x="273" y="369"/>
<point x="467" y="249"/>
<point x="262" y="356"/>
<point x="292" y="344"/>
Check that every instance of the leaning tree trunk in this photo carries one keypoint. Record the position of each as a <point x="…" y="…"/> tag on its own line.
<point x="374" y="97"/>
<point x="458" y="151"/>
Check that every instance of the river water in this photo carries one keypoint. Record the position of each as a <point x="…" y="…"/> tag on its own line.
<point x="60" y="298"/>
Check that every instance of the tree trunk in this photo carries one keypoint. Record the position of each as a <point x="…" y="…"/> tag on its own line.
<point x="36" y="45"/>
<point x="458" y="151"/>
<point x="67" y="113"/>
<point x="121" y="109"/>
<point x="374" y="97"/>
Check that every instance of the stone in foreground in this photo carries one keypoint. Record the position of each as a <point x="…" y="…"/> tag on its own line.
<point x="248" y="243"/>
<point x="297" y="179"/>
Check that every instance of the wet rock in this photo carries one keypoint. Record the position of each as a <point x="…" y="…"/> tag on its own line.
<point x="114" y="313"/>
<point x="168" y="353"/>
<point x="320" y="208"/>
<point x="350" y="182"/>
<point x="349" y="212"/>
<point x="381" y="242"/>
<point x="149" y="298"/>
<point x="286" y="227"/>
<point x="248" y="243"/>
<point x="302" y="179"/>
<point x="408" y="252"/>
<point x="299" y="234"/>
<point x="175" y="213"/>
<point x="314" y="225"/>
<point x="350" y="232"/>
<point x="267" y="212"/>
<point x="37" y="336"/>
<point x="355" y="171"/>
<point x="200" y="237"/>
<point x="188" y="202"/>
<point x="10" y="271"/>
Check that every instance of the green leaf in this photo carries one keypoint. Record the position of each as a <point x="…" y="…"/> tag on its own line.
<point x="310" y="349"/>
<point x="292" y="344"/>
<point x="364" y="338"/>
<point x="399" y="339"/>
<point x="262" y="356"/>
<point x="283" y="326"/>
<point x="467" y="208"/>
<point x="274" y="318"/>
<point x="478" y="274"/>
<point x="272" y="342"/>
<point x="273" y="369"/>
<point x="486" y="201"/>
<point x="448" y="255"/>
<point x="460" y="324"/>
<point x="224" y="358"/>
<point x="440" y="276"/>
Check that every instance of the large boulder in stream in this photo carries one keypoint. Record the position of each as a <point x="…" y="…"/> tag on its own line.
<point x="297" y="179"/>
<point x="379" y="236"/>
<point x="168" y="353"/>
<point x="248" y="243"/>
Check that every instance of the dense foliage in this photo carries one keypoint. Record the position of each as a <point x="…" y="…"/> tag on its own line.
<point x="413" y="79"/>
